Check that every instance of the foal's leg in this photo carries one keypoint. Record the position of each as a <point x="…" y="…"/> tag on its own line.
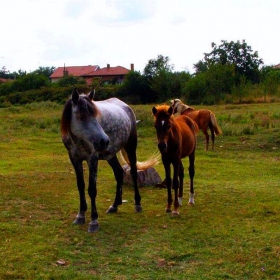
<point x="191" y="174"/>
<point x="177" y="167"/>
<point x="181" y="184"/>
<point x="78" y="167"/>
<point x="118" y="172"/>
<point x="168" y="185"/>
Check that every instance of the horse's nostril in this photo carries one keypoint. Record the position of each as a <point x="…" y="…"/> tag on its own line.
<point x="104" y="143"/>
<point x="162" y="146"/>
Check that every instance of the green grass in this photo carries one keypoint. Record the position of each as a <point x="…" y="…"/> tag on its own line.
<point x="232" y="232"/>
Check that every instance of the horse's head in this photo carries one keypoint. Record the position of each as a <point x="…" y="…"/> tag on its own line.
<point x="178" y="106"/>
<point x="163" y="121"/>
<point x="80" y="117"/>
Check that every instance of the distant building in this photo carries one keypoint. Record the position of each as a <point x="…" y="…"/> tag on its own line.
<point x="2" y="80"/>
<point x="106" y="74"/>
<point x="76" y="71"/>
<point x="277" y="66"/>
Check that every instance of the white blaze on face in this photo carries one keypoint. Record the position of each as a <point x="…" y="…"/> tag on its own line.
<point x="162" y="123"/>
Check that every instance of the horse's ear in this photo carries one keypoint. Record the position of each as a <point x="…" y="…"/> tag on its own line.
<point x="91" y="94"/>
<point x="154" y="110"/>
<point x="170" y="110"/>
<point x="75" y="96"/>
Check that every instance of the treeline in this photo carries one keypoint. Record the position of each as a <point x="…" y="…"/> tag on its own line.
<point x="231" y="72"/>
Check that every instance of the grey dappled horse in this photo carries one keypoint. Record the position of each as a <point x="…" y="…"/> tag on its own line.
<point x="97" y="130"/>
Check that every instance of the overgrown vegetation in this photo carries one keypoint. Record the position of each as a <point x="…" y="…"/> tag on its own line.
<point x="230" y="73"/>
<point x="232" y="232"/>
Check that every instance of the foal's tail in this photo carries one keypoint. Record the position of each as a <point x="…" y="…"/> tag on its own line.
<point x="215" y="124"/>
<point x="150" y="162"/>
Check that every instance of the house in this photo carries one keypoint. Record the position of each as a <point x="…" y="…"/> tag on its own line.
<point x="2" y="80"/>
<point x="89" y="73"/>
<point x="277" y="66"/>
<point x="76" y="71"/>
<point x="109" y="74"/>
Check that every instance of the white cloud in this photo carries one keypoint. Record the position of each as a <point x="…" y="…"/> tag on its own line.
<point x="119" y="32"/>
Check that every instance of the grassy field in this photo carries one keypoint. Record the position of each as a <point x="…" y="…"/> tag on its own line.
<point x="232" y="232"/>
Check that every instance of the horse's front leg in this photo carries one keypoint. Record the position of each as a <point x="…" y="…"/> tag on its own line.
<point x="191" y="175"/>
<point x="181" y="184"/>
<point x="93" y="164"/>
<point x="118" y="172"/>
<point x="168" y="185"/>
<point x="212" y="136"/>
<point x="78" y="167"/>
<point x="176" y="166"/>
<point x="207" y="137"/>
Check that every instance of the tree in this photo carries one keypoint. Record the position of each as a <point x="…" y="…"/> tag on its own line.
<point x="136" y="87"/>
<point x="239" y="54"/>
<point x="70" y="81"/>
<point x="4" y="73"/>
<point x="46" y="71"/>
<point x="158" y="73"/>
<point x="209" y="87"/>
<point x="156" y="66"/>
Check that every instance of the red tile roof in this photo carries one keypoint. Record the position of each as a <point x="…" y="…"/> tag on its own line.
<point x="2" y="80"/>
<point x="76" y="71"/>
<point x="109" y="71"/>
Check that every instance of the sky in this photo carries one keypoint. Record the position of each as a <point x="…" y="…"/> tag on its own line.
<point x="46" y="33"/>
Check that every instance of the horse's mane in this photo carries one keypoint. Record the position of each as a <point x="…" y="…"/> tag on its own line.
<point x="85" y="109"/>
<point x="162" y="111"/>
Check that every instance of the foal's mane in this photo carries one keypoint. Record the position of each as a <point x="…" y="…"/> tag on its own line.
<point x="85" y="109"/>
<point x="162" y="111"/>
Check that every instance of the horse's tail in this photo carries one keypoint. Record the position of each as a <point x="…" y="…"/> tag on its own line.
<point x="196" y="127"/>
<point x="192" y="124"/>
<point x="214" y="123"/>
<point x="150" y="162"/>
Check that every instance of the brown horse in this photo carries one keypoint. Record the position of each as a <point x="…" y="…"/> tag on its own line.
<point x="176" y="140"/>
<point x="204" y="118"/>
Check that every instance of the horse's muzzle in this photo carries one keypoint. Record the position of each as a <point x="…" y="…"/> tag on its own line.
<point x="162" y="146"/>
<point x="101" y="145"/>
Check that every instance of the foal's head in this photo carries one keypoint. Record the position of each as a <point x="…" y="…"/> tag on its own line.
<point x="163" y="122"/>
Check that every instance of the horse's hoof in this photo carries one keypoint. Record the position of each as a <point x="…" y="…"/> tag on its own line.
<point x="112" y="209"/>
<point x="80" y="219"/>
<point x="138" y="208"/>
<point x="93" y="226"/>
<point x="175" y="213"/>
<point x="180" y="200"/>
<point x="191" y="203"/>
<point x="168" y="210"/>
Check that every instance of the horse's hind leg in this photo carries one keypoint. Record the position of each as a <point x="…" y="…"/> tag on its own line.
<point x="181" y="184"/>
<point x="191" y="175"/>
<point x="130" y="149"/>
<point x="118" y="172"/>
